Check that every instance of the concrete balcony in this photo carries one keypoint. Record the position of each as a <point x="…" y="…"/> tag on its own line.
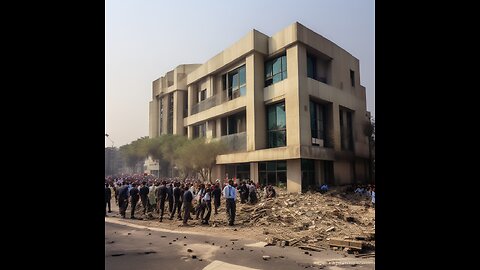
<point x="206" y="104"/>
<point x="235" y="142"/>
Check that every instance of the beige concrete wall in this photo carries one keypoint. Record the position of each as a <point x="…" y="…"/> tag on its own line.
<point x="275" y="92"/>
<point x="153" y="118"/>
<point x="178" y="99"/>
<point x="343" y="172"/>
<point x="254" y="172"/>
<point x="294" y="176"/>
<point x="255" y="108"/>
<point x="254" y="40"/>
<point x="230" y="107"/>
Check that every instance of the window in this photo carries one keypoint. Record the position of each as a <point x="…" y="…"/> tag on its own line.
<point x="346" y="130"/>
<point x="185" y="106"/>
<point x="200" y="131"/>
<point x="311" y="67"/>
<point x="161" y="116"/>
<point x="202" y="95"/>
<point x="276" y="125"/>
<point x="352" y="77"/>
<point x="308" y="174"/>
<point x="170" y="114"/>
<point x="273" y="173"/>
<point x="318" y="124"/>
<point x="235" y="83"/>
<point x="275" y="70"/>
<point x="232" y="124"/>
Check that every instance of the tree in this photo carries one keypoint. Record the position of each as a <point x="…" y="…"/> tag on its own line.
<point x="135" y="152"/>
<point x="200" y="156"/>
<point x="169" y="145"/>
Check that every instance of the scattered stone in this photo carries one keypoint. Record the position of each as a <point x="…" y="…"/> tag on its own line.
<point x="163" y="236"/>
<point x="149" y="233"/>
<point x="330" y="229"/>
<point x="235" y="230"/>
<point x="306" y="252"/>
<point x="110" y="242"/>
<point x="170" y="243"/>
<point x="189" y="250"/>
<point x="213" y="244"/>
<point x="200" y="259"/>
<point x="184" y="244"/>
<point x="185" y="237"/>
<point x="241" y="248"/>
<point x="128" y="233"/>
<point x="281" y="257"/>
<point x="266" y="257"/>
<point x="118" y="254"/>
<point x="194" y="256"/>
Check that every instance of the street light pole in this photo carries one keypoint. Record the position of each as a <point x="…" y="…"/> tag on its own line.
<point x="106" y="135"/>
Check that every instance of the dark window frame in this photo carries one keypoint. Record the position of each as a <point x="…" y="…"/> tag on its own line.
<point x="352" y="78"/>
<point x="240" y="88"/>
<point x="282" y="73"/>
<point x="275" y="132"/>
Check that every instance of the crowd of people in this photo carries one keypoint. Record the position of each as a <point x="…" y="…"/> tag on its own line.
<point x="180" y="199"/>
<point x="183" y="198"/>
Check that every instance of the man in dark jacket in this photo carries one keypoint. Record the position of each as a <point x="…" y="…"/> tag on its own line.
<point x="187" y="203"/>
<point x="177" y="203"/>
<point x="162" y="195"/>
<point x="144" y="196"/>
<point x="170" y="196"/>
<point x="123" y="199"/>
<point x="134" y="196"/>
<point x="108" y="197"/>
<point x="216" y="194"/>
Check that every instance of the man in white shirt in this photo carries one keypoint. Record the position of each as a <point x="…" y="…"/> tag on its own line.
<point x="230" y="193"/>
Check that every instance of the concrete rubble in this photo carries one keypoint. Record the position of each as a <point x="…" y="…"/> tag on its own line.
<point x="313" y="221"/>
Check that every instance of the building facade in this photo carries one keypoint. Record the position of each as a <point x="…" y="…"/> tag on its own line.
<point x="290" y="108"/>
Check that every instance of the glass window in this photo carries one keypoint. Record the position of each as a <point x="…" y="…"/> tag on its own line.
<point x="242" y="76"/>
<point x="276" y="125"/>
<point x="284" y="63"/>
<point x="277" y="66"/>
<point x="281" y="165"/>
<point x="311" y="67"/>
<point x="275" y="70"/>
<point x="243" y="91"/>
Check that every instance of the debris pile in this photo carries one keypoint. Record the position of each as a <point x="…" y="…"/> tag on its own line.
<point x="313" y="221"/>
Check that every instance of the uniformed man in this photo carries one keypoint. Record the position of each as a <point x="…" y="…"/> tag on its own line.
<point x="123" y="199"/>
<point x="177" y="202"/>
<point x="187" y="203"/>
<point x="230" y="194"/>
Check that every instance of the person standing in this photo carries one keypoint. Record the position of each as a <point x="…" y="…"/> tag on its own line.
<point x="187" y="203"/>
<point x="216" y="194"/>
<point x="252" y="192"/>
<point x="208" y="205"/>
<point x="200" y="203"/>
<point x="151" y="198"/>
<point x="170" y="197"/>
<point x="123" y="199"/>
<point x="230" y="193"/>
<point x="162" y="195"/>
<point x="108" y="197"/>
<point x="134" y="196"/>
<point x="243" y="192"/>
<point x="177" y="203"/>
<point x="144" y="196"/>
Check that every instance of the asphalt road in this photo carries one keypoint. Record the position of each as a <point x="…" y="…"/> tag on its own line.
<point x="128" y="247"/>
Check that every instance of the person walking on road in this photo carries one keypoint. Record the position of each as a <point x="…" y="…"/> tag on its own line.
<point x="144" y="196"/>
<point x="108" y="197"/>
<point x="187" y="203"/>
<point x="134" y="196"/>
<point x="162" y="196"/>
<point x="230" y="193"/>
<point x="123" y="199"/>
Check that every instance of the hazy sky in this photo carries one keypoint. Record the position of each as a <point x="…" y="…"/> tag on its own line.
<point x="146" y="38"/>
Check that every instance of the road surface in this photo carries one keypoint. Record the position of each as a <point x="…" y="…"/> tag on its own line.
<point x="130" y="246"/>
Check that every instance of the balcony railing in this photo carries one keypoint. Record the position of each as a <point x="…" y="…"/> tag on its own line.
<point x="235" y="142"/>
<point x="206" y="104"/>
<point x="212" y="102"/>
